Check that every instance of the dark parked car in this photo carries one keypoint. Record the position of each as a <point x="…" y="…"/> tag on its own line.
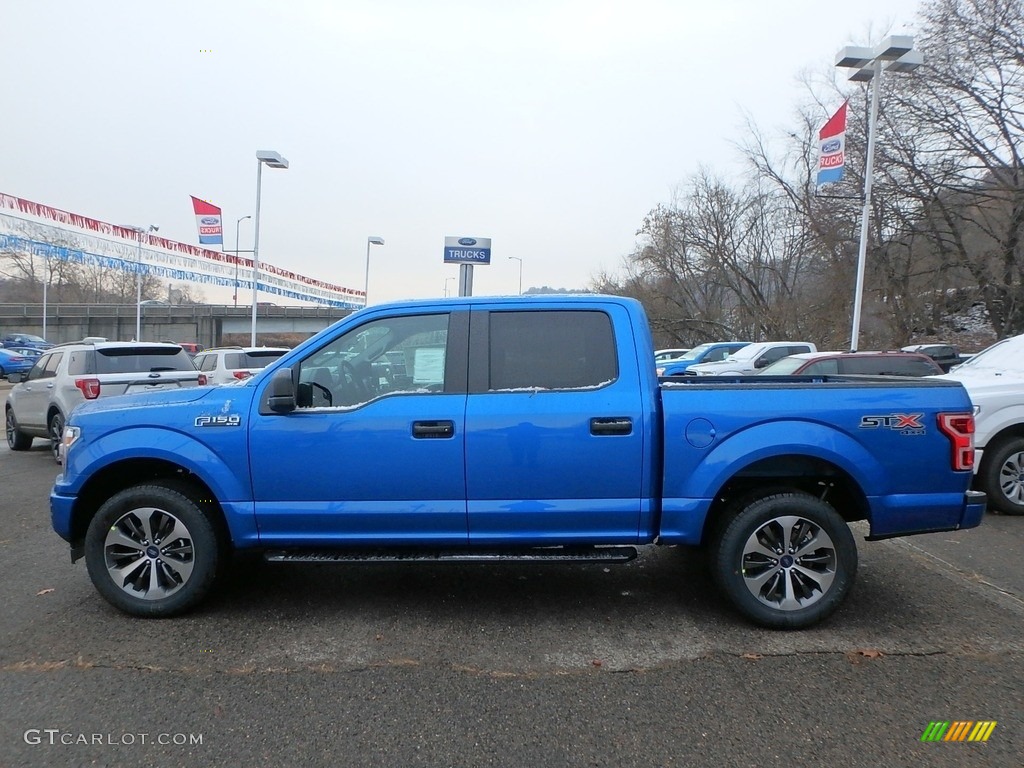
<point x="12" y="362"/>
<point x="24" y="340"/>
<point x="866" y="363"/>
<point x="946" y="355"/>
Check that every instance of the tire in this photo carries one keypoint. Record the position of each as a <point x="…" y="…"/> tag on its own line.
<point x="16" y="439"/>
<point x="130" y="568"/>
<point x="783" y="589"/>
<point x="1002" y="476"/>
<point x="56" y="432"/>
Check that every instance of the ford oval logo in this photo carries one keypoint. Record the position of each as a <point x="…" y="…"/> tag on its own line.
<point x="832" y="145"/>
<point x="467" y="241"/>
<point x="210" y="220"/>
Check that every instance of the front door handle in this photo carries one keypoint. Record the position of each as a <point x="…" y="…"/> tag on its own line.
<point x="433" y="429"/>
<point x="614" y="425"/>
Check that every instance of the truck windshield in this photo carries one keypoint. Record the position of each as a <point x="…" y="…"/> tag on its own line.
<point x="1006" y="356"/>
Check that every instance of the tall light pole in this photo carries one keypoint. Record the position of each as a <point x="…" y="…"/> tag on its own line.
<point x="372" y="240"/>
<point x="516" y="258"/>
<point x="894" y="54"/>
<point x="236" y="256"/>
<point x="139" y="232"/>
<point x="274" y="160"/>
<point x="446" y="284"/>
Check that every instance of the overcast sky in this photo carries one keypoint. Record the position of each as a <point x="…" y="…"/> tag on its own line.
<point x="551" y="127"/>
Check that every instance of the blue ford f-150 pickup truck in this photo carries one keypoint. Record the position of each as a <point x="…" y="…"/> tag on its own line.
<point x="533" y="428"/>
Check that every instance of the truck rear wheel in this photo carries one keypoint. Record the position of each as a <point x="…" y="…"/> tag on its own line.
<point x="785" y="561"/>
<point x="152" y="552"/>
<point x="1002" y="475"/>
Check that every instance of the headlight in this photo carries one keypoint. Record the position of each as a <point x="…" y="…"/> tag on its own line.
<point x="71" y="435"/>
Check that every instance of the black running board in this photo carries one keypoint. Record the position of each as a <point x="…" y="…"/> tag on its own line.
<point x="537" y="555"/>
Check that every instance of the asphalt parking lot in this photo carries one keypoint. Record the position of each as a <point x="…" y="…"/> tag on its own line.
<point x="506" y="665"/>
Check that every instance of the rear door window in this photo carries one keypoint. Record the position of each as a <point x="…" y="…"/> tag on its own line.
<point x="551" y="350"/>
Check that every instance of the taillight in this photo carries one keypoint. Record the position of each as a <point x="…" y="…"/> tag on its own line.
<point x="241" y="374"/>
<point x="959" y="428"/>
<point x="90" y="388"/>
<point x="202" y="379"/>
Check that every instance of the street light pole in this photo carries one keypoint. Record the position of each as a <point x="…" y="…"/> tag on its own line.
<point x="237" y="251"/>
<point x="895" y="54"/>
<point x="139" y="232"/>
<point x="446" y="284"/>
<point x="274" y="160"/>
<point x="372" y="240"/>
<point x="516" y="258"/>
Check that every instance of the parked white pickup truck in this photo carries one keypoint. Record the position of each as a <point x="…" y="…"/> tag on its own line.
<point x="752" y="358"/>
<point x="994" y="378"/>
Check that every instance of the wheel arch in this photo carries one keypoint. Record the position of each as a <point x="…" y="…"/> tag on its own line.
<point x="995" y="442"/>
<point x="813" y="475"/>
<point x="117" y="476"/>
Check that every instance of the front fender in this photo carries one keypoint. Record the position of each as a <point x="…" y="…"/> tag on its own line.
<point x="226" y="473"/>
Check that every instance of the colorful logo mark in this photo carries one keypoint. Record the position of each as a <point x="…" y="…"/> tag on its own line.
<point x="958" y="730"/>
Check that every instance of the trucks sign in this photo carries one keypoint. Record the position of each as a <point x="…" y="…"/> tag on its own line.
<point x="467" y="250"/>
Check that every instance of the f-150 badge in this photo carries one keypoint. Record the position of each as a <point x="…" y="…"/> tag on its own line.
<point x="232" y="420"/>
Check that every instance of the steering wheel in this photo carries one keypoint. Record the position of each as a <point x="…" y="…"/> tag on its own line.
<point x="352" y="379"/>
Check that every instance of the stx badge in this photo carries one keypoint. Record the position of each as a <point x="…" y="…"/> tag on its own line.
<point x="904" y="423"/>
<point x="233" y="420"/>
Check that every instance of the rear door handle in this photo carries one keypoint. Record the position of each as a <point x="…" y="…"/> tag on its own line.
<point x="433" y="429"/>
<point x="614" y="425"/>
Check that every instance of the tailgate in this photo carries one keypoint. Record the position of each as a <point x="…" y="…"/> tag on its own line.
<point x="128" y="384"/>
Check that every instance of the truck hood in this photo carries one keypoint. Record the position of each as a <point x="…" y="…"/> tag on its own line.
<point x="986" y="383"/>
<point x="146" y="399"/>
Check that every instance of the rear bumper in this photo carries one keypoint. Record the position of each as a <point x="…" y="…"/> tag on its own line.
<point x="971" y="512"/>
<point x="975" y="503"/>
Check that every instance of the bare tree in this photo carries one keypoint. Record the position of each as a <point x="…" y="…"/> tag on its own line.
<point x="956" y="150"/>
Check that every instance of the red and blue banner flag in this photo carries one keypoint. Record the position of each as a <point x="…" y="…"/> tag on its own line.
<point x="832" y="148"/>
<point x="208" y="219"/>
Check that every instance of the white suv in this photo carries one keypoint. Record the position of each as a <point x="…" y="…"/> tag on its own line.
<point x="751" y="359"/>
<point x="994" y="378"/>
<point x="69" y="374"/>
<point x="225" y="365"/>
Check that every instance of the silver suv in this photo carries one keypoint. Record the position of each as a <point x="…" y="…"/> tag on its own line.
<point x="225" y="365"/>
<point x="69" y="374"/>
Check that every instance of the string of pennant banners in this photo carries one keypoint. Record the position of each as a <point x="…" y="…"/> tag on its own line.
<point x="50" y="233"/>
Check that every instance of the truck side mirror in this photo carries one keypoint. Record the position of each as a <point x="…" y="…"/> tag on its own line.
<point x="281" y="391"/>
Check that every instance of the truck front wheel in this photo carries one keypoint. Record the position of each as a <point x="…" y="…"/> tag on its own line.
<point x="1002" y="475"/>
<point x="151" y="551"/>
<point x="786" y="561"/>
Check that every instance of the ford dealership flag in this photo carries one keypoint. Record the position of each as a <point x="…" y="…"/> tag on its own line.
<point x="208" y="220"/>
<point x="832" y="151"/>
